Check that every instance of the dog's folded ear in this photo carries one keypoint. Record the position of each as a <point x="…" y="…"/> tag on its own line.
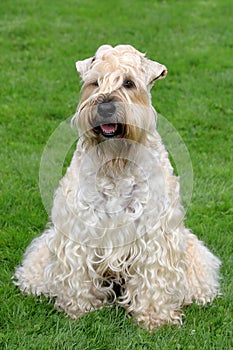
<point x="155" y="71"/>
<point x="83" y="66"/>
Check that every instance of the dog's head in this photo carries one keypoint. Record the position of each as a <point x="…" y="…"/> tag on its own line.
<point x="115" y="100"/>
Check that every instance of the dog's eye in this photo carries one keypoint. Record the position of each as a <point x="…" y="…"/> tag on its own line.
<point x="128" y="84"/>
<point x="95" y="83"/>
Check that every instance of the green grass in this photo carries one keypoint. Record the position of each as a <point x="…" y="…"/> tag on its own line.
<point x="40" y="41"/>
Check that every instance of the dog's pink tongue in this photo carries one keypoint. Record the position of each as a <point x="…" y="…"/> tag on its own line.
<point x="108" y="128"/>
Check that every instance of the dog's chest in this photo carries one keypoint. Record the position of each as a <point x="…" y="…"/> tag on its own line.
<point x="111" y="205"/>
<point x="121" y="191"/>
<point x="112" y="192"/>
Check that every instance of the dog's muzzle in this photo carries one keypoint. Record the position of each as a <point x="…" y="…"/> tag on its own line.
<point x="107" y="124"/>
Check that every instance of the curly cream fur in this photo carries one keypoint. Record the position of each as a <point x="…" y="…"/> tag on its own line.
<point x="117" y="232"/>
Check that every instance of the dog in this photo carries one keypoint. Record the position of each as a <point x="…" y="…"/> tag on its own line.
<point x="117" y="233"/>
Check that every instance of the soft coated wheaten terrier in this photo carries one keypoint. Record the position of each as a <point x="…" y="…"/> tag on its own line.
<point x="117" y="232"/>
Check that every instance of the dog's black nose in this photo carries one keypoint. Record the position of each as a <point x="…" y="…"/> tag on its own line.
<point x="106" y="109"/>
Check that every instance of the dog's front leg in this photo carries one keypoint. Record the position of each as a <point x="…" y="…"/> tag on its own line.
<point x="78" y="300"/>
<point x="155" y="292"/>
<point x="69" y="278"/>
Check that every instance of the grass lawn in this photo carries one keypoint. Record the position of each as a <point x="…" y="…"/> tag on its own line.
<point x="40" y="42"/>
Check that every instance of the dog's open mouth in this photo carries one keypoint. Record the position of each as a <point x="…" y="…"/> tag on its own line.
<point x="109" y="130"/>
